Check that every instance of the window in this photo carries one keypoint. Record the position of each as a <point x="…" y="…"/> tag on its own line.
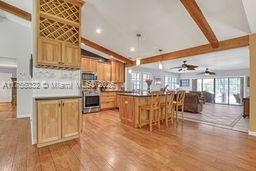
<point x="199" y="85"/>
<point x="171" y="81"/>
<point x="184" y="83"/>
<point x="136" y="81"/>
<point x="145" y="76"/>
<point x="222" y="90"/>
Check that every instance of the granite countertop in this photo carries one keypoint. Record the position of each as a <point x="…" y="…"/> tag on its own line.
<point x="57" y="97"/>
<point x="121" y="91"/>
<point x="135" y="94"/>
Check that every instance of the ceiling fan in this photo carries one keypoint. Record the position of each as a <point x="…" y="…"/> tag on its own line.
<point x="207" y="72"/>
<point x="185" y="67"/>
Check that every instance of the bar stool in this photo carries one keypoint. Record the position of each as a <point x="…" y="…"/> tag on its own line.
<point x="168" y="107"/>
<point x="153" y="109"/>
<point x="179" y="103"/>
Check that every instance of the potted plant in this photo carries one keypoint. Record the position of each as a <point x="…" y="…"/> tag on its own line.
<point x="149" y="82"/>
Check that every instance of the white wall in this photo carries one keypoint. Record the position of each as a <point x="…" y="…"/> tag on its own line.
<point x="225" y="73"/>
<point x="16" y="43"/>
<point x="5" y="91"/>
<point x="152" y="72"/>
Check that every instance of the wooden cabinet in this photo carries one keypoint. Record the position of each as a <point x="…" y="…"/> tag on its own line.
<point x="58" y="54"/>
<point x="107" y="100"/>
<point x="104" y="71"/>
<point x="58" y="34"/>
<point x="48" y="121"/>
<point x="49" y="52"/>
<point x="89" y="64"/>
<point x="117" y="72"/>
<point x="58" y="120"/>
<point x="71" y="56"/>
<point x="126" y="110"/>
<point x="70" y="117"/>
<point x="117" y="100"/>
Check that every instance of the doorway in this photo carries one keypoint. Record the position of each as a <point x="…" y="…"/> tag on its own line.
<point x="226" y="90"/>
<point x="8" y="93"/>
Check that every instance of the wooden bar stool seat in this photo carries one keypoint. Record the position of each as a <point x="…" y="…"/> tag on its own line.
<point x="153" y="109"/>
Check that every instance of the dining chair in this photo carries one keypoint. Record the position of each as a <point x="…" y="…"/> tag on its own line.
<point x="153" y="110"/>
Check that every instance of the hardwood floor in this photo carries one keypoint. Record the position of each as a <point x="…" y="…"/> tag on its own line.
<point x="105" y="144"/>
<point x="7" y="111"/>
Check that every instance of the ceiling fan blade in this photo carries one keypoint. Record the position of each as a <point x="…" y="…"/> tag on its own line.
<point x="175" y="68"/>
<point x="191" y="69"/>
<point x="180" y="69"/>
<point x="200" y="73"/>
<point x="212" y="73"/>
<point x="191" y="66"/>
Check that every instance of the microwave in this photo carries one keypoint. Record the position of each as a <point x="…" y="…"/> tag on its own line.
<point x="89" y="76"/>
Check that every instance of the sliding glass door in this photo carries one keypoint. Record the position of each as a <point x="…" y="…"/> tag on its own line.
<point x="235" y="91"/>
<point x="208" y="90"/>
<point x="221" y="90"/>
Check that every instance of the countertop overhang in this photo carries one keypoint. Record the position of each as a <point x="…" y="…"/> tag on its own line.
<point x="57" y="97"/>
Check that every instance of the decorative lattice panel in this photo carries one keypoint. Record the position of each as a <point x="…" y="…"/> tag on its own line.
<point x="55" y="30"/>
<point x="61" y="9"/>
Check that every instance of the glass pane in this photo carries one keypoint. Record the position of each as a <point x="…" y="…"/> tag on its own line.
<point x="144" y="84"/>
<point x="221" y="90"/>
<point x="208" y="90"/>
<point x="235" y="91"/>
<point x="199" y="85"/>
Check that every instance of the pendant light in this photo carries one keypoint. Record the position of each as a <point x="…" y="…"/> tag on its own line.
<point x="130" y="71"/>
<point x="138" y="58"/>
<point x="160" y="64"/>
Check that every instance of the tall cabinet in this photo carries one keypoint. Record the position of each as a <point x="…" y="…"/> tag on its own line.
<point x="59" y="33"/>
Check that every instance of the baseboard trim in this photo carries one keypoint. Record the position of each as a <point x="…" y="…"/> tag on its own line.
<point x="34" y="141"/>
<point x="23" y="116"/>
<point x="252" y="133"/>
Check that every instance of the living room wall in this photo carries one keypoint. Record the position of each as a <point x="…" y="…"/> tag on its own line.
<point x="225" y="73"/>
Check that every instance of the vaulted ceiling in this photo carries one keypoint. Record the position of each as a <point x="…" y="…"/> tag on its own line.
<point x="163" y="24"/>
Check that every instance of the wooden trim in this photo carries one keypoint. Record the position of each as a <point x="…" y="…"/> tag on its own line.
<point x="223" y="45"/>
<point x="62" y="20"/>
<point x="201" y="21"/>
<point x="16" y="11"/>
<point x="105" y="50"/>
<point x="76" y="2"/>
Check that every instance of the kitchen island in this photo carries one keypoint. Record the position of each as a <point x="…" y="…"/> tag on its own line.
<point x="129" y="108"/>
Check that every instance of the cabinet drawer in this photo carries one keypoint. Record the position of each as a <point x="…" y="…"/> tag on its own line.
<point x="108" y="94"/>
<point x="107" y="105"/>
<point x="108" y="99"/>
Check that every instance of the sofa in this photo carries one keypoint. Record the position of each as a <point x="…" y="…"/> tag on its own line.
<point x="192" y="103"/>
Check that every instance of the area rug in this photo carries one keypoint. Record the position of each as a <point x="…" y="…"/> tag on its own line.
<point x="217" y="114"/>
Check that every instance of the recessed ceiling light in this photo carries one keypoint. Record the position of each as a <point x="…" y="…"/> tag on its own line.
<point x="98" y="30"/>
<point x="82" y="44"/>
<point x="132" y="49"/>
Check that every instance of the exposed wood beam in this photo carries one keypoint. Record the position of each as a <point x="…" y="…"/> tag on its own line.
<point x="198" y="50"/>
<point x="105" y="50"/>
<point x="14" y="10"/>
<point x="198" y="16"/>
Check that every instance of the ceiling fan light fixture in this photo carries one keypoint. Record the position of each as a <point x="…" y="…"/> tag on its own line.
<point x="129" y="71"/>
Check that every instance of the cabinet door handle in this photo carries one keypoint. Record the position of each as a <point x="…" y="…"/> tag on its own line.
<point x="59" y="104"/>
<point x="63" y="104"/>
